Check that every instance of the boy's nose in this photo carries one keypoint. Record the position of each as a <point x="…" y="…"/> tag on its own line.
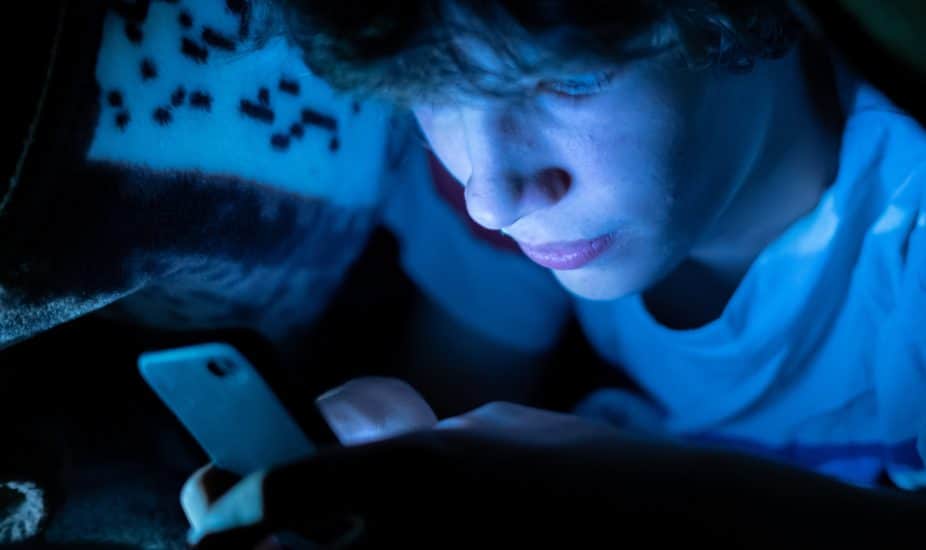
<point x="512" y="173"/>
<point x="497" y="200"/>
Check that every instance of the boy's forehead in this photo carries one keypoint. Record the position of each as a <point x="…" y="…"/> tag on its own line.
<point x="516" y="60"/>
<point x="493" y="56"/>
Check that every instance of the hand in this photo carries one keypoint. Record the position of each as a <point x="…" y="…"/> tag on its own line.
<point x="508" y="474"/>
<point x="535" y="474"/>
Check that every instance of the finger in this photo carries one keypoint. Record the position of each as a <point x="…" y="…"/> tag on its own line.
<point x="241" y="507"/>
<point x="202" y="489"/>
<point x="193" y="499"/>
<point x="374" y="408"/>
<point x="499" y="416"/>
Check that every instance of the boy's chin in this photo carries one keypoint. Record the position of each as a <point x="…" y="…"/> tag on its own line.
<point x="599" y="284"/>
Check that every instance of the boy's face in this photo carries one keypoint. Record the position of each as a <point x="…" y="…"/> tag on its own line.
<point x="609" y="184"/>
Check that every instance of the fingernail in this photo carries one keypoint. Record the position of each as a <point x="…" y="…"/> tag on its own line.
<point x="329" y="394"/>
<point x="453" y="423"/>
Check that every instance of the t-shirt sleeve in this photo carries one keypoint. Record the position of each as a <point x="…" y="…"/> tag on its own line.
<point x="479" y="277"/>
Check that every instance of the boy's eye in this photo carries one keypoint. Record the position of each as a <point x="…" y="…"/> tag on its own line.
<point x="577" y="85"/>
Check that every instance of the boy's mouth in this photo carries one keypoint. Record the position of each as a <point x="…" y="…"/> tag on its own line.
<point x="568" y="255"/>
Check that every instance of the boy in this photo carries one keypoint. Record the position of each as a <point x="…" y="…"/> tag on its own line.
<point x="742" y="224"/>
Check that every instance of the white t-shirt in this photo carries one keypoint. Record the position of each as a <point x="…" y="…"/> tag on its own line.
<point x="819" y="358"/>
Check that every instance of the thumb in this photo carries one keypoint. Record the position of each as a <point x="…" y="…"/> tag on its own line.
<point x="374" y="408"/>
<point x="202" y="489"/>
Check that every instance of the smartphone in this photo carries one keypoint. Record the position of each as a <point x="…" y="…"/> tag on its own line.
<point x="231" y="411"/>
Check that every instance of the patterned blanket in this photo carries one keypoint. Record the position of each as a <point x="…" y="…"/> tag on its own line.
<point x="185" y="176"/>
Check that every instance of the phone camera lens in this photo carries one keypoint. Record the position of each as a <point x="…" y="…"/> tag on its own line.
<point x="218" y="369"/>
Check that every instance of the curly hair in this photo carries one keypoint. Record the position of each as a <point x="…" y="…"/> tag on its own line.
<point x="411" y="49"/>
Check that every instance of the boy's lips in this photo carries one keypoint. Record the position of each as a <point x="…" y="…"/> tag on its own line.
<point x="568" y="255"/>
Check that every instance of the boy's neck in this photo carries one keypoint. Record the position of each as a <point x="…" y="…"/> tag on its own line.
<point x="799" y="163"/>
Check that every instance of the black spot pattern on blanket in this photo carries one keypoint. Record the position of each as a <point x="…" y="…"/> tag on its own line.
<point x="193" y="50"/>
<point x="256" y="111"/>
<point x="185" y="19"/>
<point x="241" y="8"/>
<point x="196" y="42"/>
<point x="122" y="119"/>
<point x="148" y="69"/>
<point x="133" y="32"/>
<point x="280" y="141"/>
<point x="176" y="98"/>
<point x="215" y="39"/>
<point x="289" y="86"/>
<point x="313" y="117"/>
<point x="162" y="116"/>
<point x="114" y="98"/>
<point x="201" y="100"/>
